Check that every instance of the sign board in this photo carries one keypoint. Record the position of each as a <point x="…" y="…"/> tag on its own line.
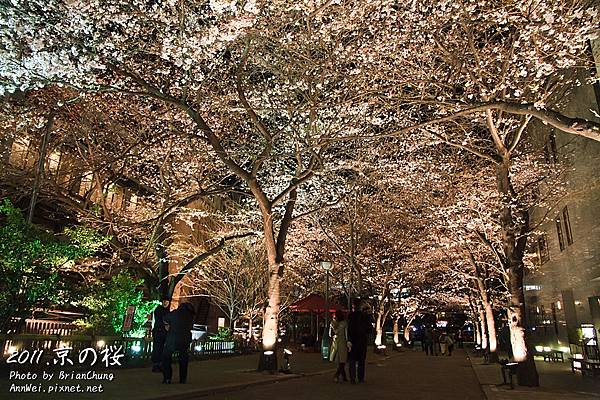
<point x="128" y="321"/>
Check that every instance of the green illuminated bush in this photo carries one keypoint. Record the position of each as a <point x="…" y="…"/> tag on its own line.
<point x="108" y="303"/>
<point x="31" y="259"/>
<point x="223" y="335"/>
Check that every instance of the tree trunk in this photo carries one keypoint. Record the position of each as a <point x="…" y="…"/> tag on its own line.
<point x="514" y="239"/>
<point x="268" y="358"/>
<point x="489" y="321"/>
<point x="482" y="327"/>
<point x="39" y="175"/>
<point x="396" y="334"/>
<point x="491" y="330"/>
<point x="409" y="321"/>
<point x="250" y="338"/>
<point x="379" y="329"/>
<point x="488" y="311"/>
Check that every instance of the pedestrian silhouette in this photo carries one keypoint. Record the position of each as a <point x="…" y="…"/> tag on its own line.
<point x="179" y="336"/>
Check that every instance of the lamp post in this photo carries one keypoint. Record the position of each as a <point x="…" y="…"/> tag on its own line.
<point x="326" y="265"/>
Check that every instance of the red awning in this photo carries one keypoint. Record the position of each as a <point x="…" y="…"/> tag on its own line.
<point x="314" y="303"/>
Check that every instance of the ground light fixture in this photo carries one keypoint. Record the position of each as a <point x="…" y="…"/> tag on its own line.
<point x="136" y="348"/>
<point x="270" y="361"/>
<point x="286" y="368"/>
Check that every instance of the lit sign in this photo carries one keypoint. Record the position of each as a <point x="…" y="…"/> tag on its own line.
<point x="533" y="287"/>
<point x="441" y="324"/>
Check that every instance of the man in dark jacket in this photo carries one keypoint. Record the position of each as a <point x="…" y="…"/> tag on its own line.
<point x="359" y="327"/>
<point x="159" y="333"/>
<point x="179" y="336"/>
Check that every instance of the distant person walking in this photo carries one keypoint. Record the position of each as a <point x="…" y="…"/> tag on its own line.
<point x="436" y="342"/>
<point x="359" y="327"/>
<point x="179" y="327"/>
<point x="341" y="346"/>
<point x="443" y="344"/>
<point x="159" y="333"/>
<point x="428" y="341"/>
<point x="460" y="338"/>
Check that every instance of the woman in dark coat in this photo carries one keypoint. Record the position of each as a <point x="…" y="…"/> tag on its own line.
<point x="359" y="327"/>
<point x="159" y="334"/>
<point x="179" y="325"/>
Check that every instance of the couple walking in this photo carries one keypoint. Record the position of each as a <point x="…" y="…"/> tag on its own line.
<point x="349" y="343"/>
<point x="172" y="333"/>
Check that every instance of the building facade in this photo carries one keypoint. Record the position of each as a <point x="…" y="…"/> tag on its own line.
<point x="563" y="293"/>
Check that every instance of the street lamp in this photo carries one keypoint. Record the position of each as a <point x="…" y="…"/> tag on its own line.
<point x="326" y="265"/>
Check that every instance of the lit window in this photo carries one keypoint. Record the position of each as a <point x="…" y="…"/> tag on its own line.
<point x="542" y="249"/>
<point x="86" y="183"/>
<point x="19" y="152"/>
<point x="559" y="233"/>
<point x="133" y="202"/>
<point x="550" y="150"/>
<point x="567" y="222"/>
<point x="54" y="162"/>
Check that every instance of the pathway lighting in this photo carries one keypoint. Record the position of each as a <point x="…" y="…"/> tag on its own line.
<point x="269" y="361"/>
<point x="136" y="348"/>
<point x="287" y="367"/>
<point x="100" y="343"/>
<point x="327" y="266"/>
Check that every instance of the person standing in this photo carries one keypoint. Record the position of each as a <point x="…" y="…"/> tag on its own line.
<point x="159" y="333"/>
<point x="179" y="325"/>
<point x="341" y="346"/>
<point x="428" y="341"/>
<point x="359" y="327"/>
<point x="443" y="344"/>
<point x="436" y="342"/>
<point x="450" y="343"/>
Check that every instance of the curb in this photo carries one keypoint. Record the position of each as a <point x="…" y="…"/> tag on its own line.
<point x="208" y="391"/>
<point x="485" y="390"/>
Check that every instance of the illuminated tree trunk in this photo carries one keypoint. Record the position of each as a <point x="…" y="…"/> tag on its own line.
<point x="482" y="327"/>
<point x="491" y="329"/>
<point x="268" y="357"/>
<point x="396" y="338"/>
<point x="407" y="327"/>
<point x="379" y="329"/>
<point x="250" y="338"/>
<point x="275" y="246"/>
<point x="515" y="224"/>
<point x="381" y="317"/>
<point x="488" y="313"/>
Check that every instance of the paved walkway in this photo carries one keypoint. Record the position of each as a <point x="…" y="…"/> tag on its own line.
<point x="557" y="382"/>
<point x="405" y="375"/>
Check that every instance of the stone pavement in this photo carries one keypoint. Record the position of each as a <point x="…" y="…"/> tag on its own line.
<point x="231" y="373"/>
<point x="409" y="374"/>
<point x="557" y="382"/>
<point x="406" y="375"/>
<point x="401" y="375"/>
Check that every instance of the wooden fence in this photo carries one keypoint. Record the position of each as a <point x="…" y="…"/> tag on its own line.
<point x="41" y="327"/>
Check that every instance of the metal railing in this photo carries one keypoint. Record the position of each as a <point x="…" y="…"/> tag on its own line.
<point x="136" y="351"/>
